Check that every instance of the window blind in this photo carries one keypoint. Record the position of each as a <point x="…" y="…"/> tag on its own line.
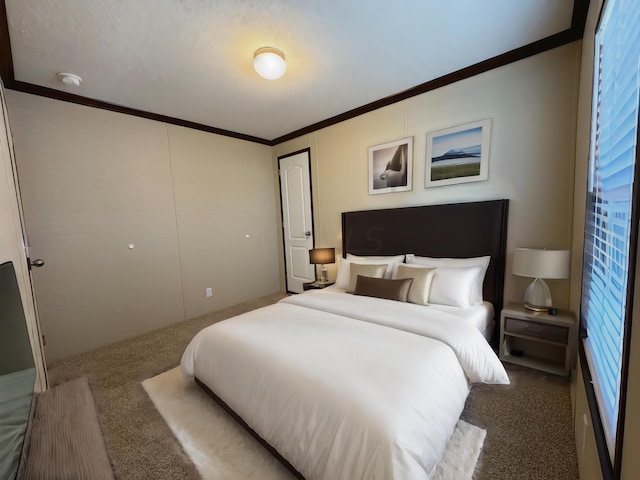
<point x="609" y="203"/>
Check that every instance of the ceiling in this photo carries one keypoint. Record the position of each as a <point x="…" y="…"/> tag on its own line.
<point x="190" y="61"/>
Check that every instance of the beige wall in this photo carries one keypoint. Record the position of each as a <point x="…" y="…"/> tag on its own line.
<point x="585" y="441"/>
<point x="224" y="192"/>
<point x="95" y="181"/>
<point x="532" y="104"/>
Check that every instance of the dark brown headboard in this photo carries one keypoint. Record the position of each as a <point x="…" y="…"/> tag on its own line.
<point x="455" y="230"/>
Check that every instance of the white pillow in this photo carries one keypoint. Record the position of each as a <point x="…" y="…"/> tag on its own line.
<point x="482" y="262"/>
<point x="342" y="278"/>
<point x="454" y="286"/>
<point x="390" y="261"/>
<point x="366" y="270"/>
<point x="421" y="285"/>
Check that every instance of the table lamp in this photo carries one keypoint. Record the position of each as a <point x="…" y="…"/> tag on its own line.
<point x="322" y="256"/>
<point x="538" y="264"/>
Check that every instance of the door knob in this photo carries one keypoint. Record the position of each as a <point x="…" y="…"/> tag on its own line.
<point x="307" y="234"/>
<point x="38" y="262"/>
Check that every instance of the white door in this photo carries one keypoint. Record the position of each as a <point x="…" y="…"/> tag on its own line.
<point x="14" y="245"/>
<point x="297" y="218"/>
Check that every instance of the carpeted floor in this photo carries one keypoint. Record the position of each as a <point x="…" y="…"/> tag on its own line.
<point x="528" y="423"/>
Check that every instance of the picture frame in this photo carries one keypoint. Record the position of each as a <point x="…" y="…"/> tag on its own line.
<point x="458" y="154"/>
<point x="391" y="167"/>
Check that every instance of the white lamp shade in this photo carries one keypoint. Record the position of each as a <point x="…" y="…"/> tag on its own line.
<point x="539" y="263"/>
<point x="269" y="63"/>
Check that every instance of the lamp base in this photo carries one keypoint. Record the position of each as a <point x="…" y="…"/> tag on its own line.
<point x="535" y="309"/>
<point x="537" y="297"/>
<point x="323" y="275"/>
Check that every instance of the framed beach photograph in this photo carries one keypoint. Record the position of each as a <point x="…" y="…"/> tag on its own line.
<point x="390" y="166"/>
<point x="458" y="154"/>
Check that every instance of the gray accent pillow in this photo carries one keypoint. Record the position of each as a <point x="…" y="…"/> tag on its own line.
<point x="383" y="288"/>
<point x="366" y="270"/>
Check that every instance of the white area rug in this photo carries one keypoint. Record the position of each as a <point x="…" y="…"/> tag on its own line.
<point x="222" y="450"/>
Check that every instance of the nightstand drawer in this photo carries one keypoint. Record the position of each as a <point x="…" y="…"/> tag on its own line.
<point x="538" y="330"/>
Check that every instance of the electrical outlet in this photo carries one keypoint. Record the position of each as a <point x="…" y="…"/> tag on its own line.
<point x="209" y="292"/>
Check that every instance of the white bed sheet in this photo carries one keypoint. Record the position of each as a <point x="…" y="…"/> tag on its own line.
<point x="482" y="316"/>
<point x="479" y="316"/>
<point x="342" y="398"/>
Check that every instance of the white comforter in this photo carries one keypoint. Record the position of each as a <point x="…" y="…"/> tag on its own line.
<point x="343" y="398"/>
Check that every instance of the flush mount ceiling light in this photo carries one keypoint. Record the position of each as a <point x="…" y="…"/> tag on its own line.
<point x="269" y="63"/>
<point x="69" y="79"/>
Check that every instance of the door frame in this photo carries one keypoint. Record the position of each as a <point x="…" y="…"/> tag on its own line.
<point x="313" y="227"/>
<point x="22" y="263"/>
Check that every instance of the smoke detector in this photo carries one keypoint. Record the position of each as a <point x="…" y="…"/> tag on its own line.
<point x="70" y="79"/>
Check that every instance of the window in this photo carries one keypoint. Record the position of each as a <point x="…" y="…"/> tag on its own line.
<point x="611" y="217"/>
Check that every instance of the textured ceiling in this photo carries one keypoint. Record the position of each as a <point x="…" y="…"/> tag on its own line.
<point x="192" y="59"/>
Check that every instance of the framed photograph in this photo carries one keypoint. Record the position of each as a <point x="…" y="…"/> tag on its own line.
<point x="390" y="167"/>
<point x="458" y="154"/>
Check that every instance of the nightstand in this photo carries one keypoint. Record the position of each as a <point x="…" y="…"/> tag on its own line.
<point x="316" y="285"/>
<point x="537" y="340"/>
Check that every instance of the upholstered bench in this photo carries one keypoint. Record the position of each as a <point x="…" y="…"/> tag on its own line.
<point x="65" y="441"/>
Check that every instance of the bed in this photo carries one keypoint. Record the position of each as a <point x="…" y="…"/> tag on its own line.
<point x="344" y="386"/>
